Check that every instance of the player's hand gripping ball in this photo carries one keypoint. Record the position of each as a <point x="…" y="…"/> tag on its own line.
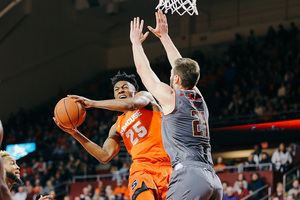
<point x="69" y="114"/>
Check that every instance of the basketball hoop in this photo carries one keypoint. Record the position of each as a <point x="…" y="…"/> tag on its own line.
<point x="180" y="6"/>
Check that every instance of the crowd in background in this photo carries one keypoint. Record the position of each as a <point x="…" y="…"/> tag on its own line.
<point x="242" y="188"/>
<point x="256" y="78"/>
<point x="281" y="160"/>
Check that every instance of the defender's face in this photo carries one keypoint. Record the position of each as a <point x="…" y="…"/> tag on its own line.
<point x="11" y="166"/>
<point x="123" y="90"/>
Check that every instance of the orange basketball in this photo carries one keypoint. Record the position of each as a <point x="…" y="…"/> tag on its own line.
<point x="68" y="113"/>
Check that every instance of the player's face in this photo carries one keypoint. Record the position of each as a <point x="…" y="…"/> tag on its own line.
<point x="123" y="90"/>
<point x="11" y="168"/>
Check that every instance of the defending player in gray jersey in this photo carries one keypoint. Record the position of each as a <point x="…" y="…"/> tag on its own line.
<point x="185" y="123"/>
<point x="185" y="130"/>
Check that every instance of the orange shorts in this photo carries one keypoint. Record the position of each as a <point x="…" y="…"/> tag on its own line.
<point x="144" y="176"/>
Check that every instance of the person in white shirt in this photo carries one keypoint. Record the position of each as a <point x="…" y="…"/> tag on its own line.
<point x="21" y="194"/>
<point x="281" y="158"/>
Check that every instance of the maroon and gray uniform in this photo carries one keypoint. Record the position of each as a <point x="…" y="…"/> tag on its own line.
<point x="185" y="135"/>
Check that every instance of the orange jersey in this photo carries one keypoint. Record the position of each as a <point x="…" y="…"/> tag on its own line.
<point x="141" y="133"/>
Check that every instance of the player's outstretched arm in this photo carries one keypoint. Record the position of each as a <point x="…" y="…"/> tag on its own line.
<point x="161" y="31"/>
<point x="110" y="148"/>
<point x="159" y="90"/>
<point x="140" y="100"/>
<point x="4" y="191"/>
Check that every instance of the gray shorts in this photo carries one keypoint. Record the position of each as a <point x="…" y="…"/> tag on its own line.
<point x="194" y="180"/>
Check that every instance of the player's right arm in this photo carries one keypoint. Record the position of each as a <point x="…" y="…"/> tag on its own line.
<point x="110" y="147"/>
<point x="140" y="100"/>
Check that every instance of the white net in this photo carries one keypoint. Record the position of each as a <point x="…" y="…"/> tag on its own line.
<point x="179" y="6"/>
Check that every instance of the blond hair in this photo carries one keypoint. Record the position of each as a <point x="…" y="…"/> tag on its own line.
<point x="4" y="153"/>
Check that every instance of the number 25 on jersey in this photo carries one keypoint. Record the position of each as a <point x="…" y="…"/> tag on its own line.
<point x="136" y="132"/>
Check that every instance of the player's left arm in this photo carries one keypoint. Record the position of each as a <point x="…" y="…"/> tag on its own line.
<point x="161" y="91"/>
<point x="140" y="100"/>
<point x="161" y="31"/>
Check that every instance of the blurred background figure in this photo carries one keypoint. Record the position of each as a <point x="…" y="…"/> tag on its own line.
<point x="220" y="166"/>
<point x="282" y="159"/>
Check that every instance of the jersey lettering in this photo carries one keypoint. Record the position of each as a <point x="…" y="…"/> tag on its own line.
<point x="130" y="120"/>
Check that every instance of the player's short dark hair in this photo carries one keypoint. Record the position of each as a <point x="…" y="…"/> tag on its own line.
<point x="124" y="77"/>
<point x="188" y="70"/>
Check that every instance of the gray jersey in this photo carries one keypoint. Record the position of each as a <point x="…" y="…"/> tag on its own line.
<point x="185" y="131"/>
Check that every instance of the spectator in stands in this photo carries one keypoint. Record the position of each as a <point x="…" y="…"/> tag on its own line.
<point x="80" y="167"/>
<point x="58" y="150"/>
<point x="229" y="194"/>
<point x="265" y="159"/>
<point x="241" y="192"/>
<point x="25" y="170"/>
<point x="116" y="163"/>
<point x="241" y="177"/>
<point x="255" y="183"/>
<point x="224" y="185"/>
<point x="257" y="154"/>
<point x="249" y="164"/>
<point x="85" y="194"/>
<point x="292" y="149"/>
<point x="109" y="194"/>
<point x="124" y="171"/>
<point x="91" y="189"/>
<point x="121" y="191"/>
<point x="49" y="187"/>
<point x="13" y="193"/>
<point x="40" y="166"/>
<point x="296" y="194"/>
<point x="295" y="187"/>
<point x="58" y="182"/>
<point x="100" y="189"/>
<point x="96" y="195"/>
<point x="30" y="193"/>
<point x="27" y="184"/>
<point x="21" y="194"/>
<point x="279" y="195"/>
<point x="282" y="159"/>
<point x="220" y="166"/>
<point x="38" y="189"/>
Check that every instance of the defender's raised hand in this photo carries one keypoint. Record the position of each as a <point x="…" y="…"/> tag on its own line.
<point x="161" y="28"/>
<point x="136" y="31"/>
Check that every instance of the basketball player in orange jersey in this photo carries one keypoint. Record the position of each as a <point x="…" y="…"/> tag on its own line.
<point x="11" y="174"/>
<point x="185" y="130"/>
<point x="140" y="128"/>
